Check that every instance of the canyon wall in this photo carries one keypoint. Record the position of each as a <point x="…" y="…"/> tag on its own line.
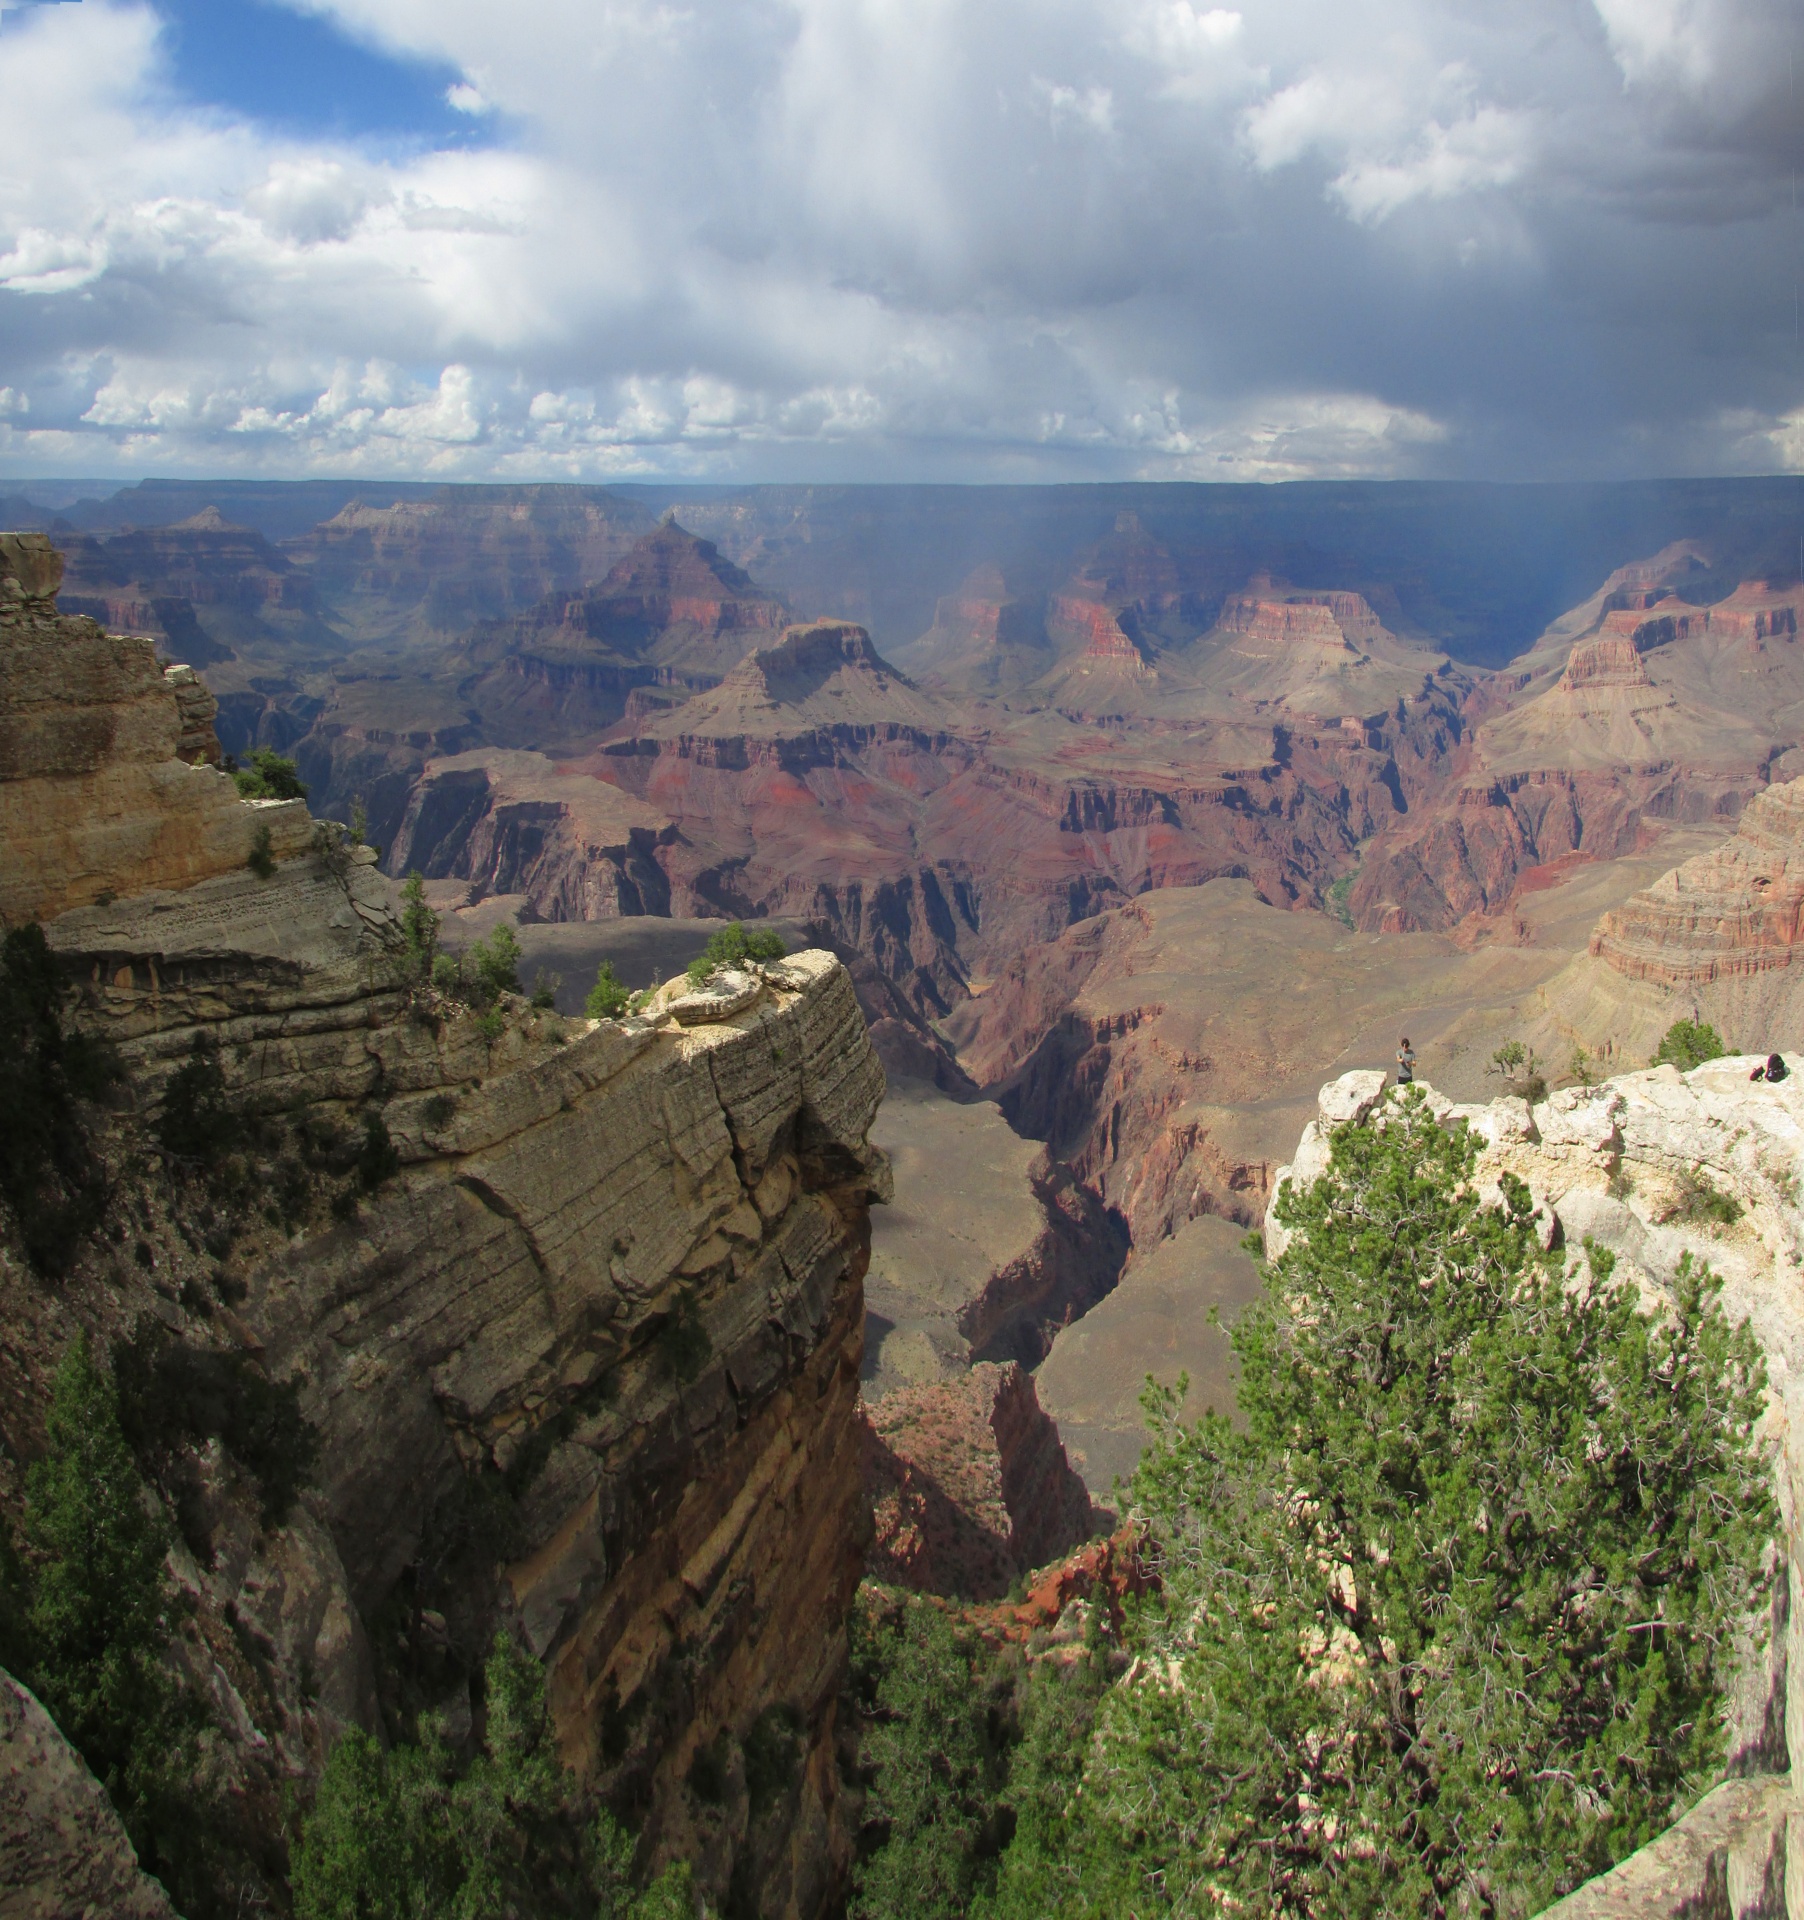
<point x="575" y="1309"/>
<point x="1608" y="1165"/>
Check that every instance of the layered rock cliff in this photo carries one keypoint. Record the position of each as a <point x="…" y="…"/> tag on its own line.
<point x="574" y="1309"/>
<point x="1618" y="1165"/>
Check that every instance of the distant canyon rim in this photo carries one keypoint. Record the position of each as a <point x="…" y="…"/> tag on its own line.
<point x="1136" y="813"/>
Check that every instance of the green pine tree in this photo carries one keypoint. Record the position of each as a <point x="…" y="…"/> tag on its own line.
<point x="98" y="1617"/>
<point x="1443" y="1626"/>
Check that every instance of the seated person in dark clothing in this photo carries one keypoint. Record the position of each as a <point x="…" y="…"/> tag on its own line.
<point x="1775" y="1069"/>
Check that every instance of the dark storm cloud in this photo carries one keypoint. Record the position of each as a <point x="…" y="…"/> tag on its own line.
<point x="923" y="238"/>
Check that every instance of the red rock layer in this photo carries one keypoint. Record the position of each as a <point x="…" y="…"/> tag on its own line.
<point x="1286" y="620"/>
<point x="969" y="1485"/>
<point x="1735" y="911"/>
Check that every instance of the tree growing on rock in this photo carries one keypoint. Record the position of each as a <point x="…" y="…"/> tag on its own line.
<point x="1689" y="1043"/>
<point x="1444" y="1625"/>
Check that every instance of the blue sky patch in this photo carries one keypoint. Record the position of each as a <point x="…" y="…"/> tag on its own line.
<point x="299" y="73"/>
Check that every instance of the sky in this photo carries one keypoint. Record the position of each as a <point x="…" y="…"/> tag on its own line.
<point x="862" y="240"/>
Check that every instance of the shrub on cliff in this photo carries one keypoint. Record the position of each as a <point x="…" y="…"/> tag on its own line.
<point x="733" y="946"/>
<point x="91" y="1618"/>
<point x="268" y="777"/>
<point x="608" y="998"/>
<point x="1444" y="1625"/>
<point x="1688" y="1044"/>
<point x="50" y="1178"/>
<point x="419" y="930"/>
<point x="936" y="1725"/>
<point x="409" y="1833"/>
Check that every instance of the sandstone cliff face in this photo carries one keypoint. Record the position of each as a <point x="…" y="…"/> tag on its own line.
<point x="1734" y="912"/>
<point x="588" y="1360"/>
<point x="1606" y="1163"/>
<point x="94" y="798"/>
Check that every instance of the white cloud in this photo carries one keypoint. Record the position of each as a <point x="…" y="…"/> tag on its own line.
<point x="916" y="237"/>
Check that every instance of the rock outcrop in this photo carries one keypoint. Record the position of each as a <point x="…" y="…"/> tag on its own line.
<point x="969" y="1485"/>
<point x="63" y="1853"/>
<point x="1612" y="1164"/>
<point x="1734" y="913"/>
<point x="96" y="797"/>
<point x="582" y="1349"/>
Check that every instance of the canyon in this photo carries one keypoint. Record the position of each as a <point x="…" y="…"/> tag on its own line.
<point x="1102" y="829"/>
<point x="609" y="1277"/>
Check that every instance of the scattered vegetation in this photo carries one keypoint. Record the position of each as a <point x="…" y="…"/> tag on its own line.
<point x="262" y="858"/>
<point x="1336" y="901"/>
<point x="197" y="1123"/>
<point x="268" y="777"/>
<point x="1416" y="1653"/>
<point x="173" y="1397"/>
<point x="1516" y="1063"/>
<point x="733" y="946"/>
<point x="494" y="964"/>
<point x="410" y="1832"/>
<point x="88" y="1616"/>
<point x="608" y="998"/>
<point x="545" y="989"/>
<point x="419" y="930"/>
<point x="51" y="1179"/>
<point x="1701" y="1202"/>
<point x="1688" y="1044"/>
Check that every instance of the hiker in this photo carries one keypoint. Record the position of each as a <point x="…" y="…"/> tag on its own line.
<point x="1406" y="1062"/>
<point x="1775" y="1069"/>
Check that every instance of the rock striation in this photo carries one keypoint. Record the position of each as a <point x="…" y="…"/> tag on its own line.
<point x="582" y="1357"/>
<point x="1734" y="912"/>
<point x="1609" y="1164"/>
<point x="97" y="795"/>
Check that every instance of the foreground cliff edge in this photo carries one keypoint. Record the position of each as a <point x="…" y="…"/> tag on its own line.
<point x="1612" y="1164"/>
<point x="582" y="1348"/>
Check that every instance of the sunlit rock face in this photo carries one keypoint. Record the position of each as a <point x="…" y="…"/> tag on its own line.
<point x="1608" y="1164"/>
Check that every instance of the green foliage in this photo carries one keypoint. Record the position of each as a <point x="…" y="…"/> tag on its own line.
<point x="1516" y="1063"/>
<point x="377" y="1158"/>
<point x="932" y="1747"/>
<point x="172" y="1396"/>
<point x="1335" y="900"/>
<point x="197" y="1122"/>
<point x="268" y="777"/>
<point x="359" y="828"/>
<point x="447" y="976"/>
<point x="732" y="946"/>
<point x="262" y="857"/>
<point x="492" y="1025"/>
<point x="1700" y="1201"/>
<point x="409" y="1835"/>
<point x="773" y="1750"/>
<point x="50" y="1178"/>
<point x="1443" y="1627"/>
<point x="608" y="998"/>
<point x="495" y="963"/>
<point x="545" y="989"/>
<point x="95" y="1621"/>
<point x="419" y="931"/>
<point x="1688" y="1044"/>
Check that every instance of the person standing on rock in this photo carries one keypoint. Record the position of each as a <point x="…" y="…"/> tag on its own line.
<point x="1406" y="1062"/>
